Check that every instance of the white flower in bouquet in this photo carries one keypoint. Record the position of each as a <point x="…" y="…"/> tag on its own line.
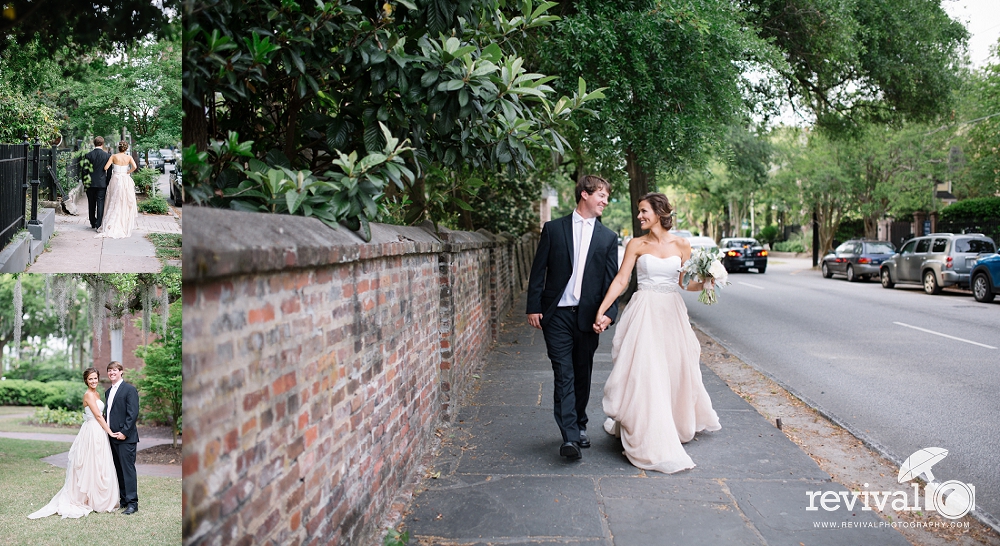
<point x="705" y="265"/>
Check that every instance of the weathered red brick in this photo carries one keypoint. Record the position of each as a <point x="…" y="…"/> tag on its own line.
<point x="264" y="314"/>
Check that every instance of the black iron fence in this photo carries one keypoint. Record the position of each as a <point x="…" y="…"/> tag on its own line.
<point x="25" y="169"/>
<point x="989" y="227"/>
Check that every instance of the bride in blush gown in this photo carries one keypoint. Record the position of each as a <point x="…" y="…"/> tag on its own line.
<point x="654" y="398"/>
<point x="120" y="209"/>
<point x="91" y="483"/>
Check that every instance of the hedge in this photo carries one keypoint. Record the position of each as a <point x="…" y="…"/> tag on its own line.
<point x="980" y="208"/>
<point x="56" y="394"/>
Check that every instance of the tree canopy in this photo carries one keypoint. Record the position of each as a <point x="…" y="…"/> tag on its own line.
<point x="84" y="24"/>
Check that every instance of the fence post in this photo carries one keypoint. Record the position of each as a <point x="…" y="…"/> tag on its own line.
<point x="24" y="181"/>
<point x="35" y="182"/>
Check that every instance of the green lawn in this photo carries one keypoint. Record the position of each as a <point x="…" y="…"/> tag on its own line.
<point x="27" y="484"/>
<point x="8" y="410"/>
<point x="16" y="424"/>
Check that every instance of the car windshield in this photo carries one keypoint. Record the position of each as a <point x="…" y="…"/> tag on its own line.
<point x="740" y="243"/>
<point x="880" y="248"/>
<point x="975" y="245"/>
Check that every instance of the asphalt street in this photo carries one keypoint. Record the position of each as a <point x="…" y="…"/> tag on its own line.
<point x="898" y="368"/>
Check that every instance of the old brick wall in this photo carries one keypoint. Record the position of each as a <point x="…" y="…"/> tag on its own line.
<point x="316" y="367"/>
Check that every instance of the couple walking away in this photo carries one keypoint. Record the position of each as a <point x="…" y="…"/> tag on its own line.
<point x="100" y="473"/>
<point x="654" y="398"/>
<point x="111" y="195"/>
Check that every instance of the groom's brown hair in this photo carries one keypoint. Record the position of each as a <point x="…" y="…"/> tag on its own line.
<point x="98" y="141"/>
<point x="116" y="365"/>
<point x="590" y="183"/>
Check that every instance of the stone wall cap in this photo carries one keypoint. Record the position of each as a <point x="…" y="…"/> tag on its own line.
<point x="222" y="242"/>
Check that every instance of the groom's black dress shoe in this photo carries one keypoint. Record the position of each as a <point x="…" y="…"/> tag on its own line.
<point x="131" y="509"/>
<point x="584" y="440"/>
<point x="570" y="450"/>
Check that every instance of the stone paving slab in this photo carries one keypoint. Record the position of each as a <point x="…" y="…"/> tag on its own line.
<point x="501" y="479"/>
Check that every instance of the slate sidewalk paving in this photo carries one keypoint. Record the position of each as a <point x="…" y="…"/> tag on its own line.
<point x="74" y="249"/>
<point x="502" y="480"/>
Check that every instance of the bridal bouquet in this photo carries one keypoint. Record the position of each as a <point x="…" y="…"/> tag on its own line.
<point x="705" y="264"/>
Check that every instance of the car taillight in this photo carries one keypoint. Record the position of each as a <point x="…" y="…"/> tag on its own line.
<point x="950" y="263"/>
<point x="732" y="253"/>
<point x="762" y="253"/>
<point x="864" y="260"/>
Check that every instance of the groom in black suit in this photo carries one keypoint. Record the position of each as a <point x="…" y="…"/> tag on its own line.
<point x="576" y="260"/>
<point x="121" y="413"/>
<point x="98" y="182"/>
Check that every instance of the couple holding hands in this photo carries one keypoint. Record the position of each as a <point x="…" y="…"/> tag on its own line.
<point x="654" y="398"/>
<point x="100" y="473"/>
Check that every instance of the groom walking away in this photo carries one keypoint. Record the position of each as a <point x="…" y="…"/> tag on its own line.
<point x="122" y="411"/>
<point x="98" y="182"/>
<point x="576" y="260"/>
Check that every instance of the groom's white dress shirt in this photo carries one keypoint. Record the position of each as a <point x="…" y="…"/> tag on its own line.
<point x="583" y="232"/>
<point x="111" y="397"/>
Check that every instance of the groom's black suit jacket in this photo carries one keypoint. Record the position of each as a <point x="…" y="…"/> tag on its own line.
<point x="99" y="178"/>
<point x="553" y="266"/>
<point x="124" y="413"/>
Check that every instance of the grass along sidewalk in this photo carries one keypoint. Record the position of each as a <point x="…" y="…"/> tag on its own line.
<point x="168" y="250"/>
<point x="27" y="484"/>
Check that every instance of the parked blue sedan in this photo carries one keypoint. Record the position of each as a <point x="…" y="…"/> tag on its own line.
<point x="986" y="278"/>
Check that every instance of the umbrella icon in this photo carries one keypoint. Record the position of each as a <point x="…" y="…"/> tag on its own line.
<point x="920" y="463"/>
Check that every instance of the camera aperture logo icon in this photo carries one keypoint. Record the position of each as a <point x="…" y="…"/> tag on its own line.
<point x="952" y="499"/>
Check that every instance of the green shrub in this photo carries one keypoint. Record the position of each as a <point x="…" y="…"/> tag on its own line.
<point x="154" y="205"/>
<point x="58" y="416"/>
<point x="789" y="246"/>
<point x="145" y="178"/>
<point x="769" y="234"/>
<point x="55" y="394"/>
<point x="44" y="374"/>
<point x="972" y="209"/>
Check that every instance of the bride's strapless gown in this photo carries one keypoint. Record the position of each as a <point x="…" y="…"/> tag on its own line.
<point x="654" y="397"/>
<point x="91" y="483"/>
<point x="120" y="210"/>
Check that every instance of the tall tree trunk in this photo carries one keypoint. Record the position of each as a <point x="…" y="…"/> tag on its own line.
<point x="195" y="127"/>
<point x="639" y="178"/>
<point x="416" y="212"/>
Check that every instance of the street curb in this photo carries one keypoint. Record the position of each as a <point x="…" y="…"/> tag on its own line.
<point x="983" y="517"/>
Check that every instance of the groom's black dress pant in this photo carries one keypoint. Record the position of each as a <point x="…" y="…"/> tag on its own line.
<point x="571" y="351"/>
<point x="95" y="205"/>
<point x="123" y="455"/>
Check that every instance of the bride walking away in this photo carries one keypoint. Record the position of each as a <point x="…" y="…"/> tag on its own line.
<point x="120" y="209"/>
<point x="654" y="397"/>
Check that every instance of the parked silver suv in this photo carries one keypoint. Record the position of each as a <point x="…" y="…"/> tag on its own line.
<point x="936" y="260"/>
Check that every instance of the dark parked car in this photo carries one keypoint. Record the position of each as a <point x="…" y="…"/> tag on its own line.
<point x="937" y="260"/>
<point x="176" y="188"/>
<point x="857" y="259"/>
<point x="986" y="278"/>
<point x="743" y="254"/>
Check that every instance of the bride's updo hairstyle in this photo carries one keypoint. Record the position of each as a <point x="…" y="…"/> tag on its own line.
<point x="88" y="371"/>
<point x="122" y="146"/>
<point x="661" y="207"/>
